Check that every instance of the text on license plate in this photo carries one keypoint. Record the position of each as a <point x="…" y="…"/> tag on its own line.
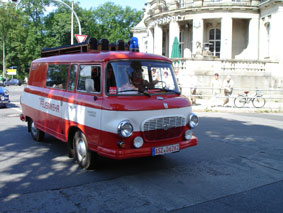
<point x="165" y="149"/>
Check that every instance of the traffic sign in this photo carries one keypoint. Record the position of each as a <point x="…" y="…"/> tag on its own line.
<point x="80" y="38"/>
<point x="11" y="71"/>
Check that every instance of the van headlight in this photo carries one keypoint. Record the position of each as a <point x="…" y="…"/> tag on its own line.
<point x="125" y="129"/>
<point x="193" y="120"/>
<point x="6" y="92"/>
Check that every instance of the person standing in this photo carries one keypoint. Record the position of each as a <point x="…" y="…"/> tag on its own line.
<point x="228" y="89"/>
<point x="216" y="89"/>
<point x="192" y="82"/>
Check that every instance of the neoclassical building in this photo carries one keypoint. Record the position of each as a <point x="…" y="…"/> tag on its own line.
<point x="242" y="38"/>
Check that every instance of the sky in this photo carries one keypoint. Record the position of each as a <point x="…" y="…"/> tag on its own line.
<point x="136" y="4"/>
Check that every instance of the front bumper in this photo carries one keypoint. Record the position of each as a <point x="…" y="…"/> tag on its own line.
<point x="120" y="154"/>
<point x="4" y="101"/>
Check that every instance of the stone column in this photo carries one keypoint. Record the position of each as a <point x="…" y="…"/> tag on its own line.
<point x="150" y="40"/>
<point x="174" y="31"/>
<point x="197" y="35"/>
<point x="158" y="39"/>
<point x="253" y="38"/>
<point x="226" y="38"/>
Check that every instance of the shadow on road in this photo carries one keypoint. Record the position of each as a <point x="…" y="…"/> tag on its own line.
<point x="30" y="166"/>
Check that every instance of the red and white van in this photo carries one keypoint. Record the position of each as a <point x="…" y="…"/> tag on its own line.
<point x="117" y="104"/>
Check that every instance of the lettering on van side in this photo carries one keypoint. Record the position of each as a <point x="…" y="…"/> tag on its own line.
<point x="49" y="106"/>
<point x="91" y="113"/>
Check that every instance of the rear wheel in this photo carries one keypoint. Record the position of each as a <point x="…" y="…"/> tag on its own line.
<point x="36" y="133"/>
<point x="240" y="101"/>
<point x="258" y="102"/>
<point x="84" y="157"/>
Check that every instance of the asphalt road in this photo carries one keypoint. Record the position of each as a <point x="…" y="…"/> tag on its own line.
<point x="237" y="167"/>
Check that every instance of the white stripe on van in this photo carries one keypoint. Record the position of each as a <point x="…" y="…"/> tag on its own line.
<point x="104" y="120"/>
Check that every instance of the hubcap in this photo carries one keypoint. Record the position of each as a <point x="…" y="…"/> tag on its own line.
<point x="81" y="150"/>
<point x="33" y="128"/>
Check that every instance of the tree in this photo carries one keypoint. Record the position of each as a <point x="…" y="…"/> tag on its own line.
<point x="9" y="20"/>
<point x="114" y="22"/>
<point x="58" y="25"/>
<point x="25" y="30"/>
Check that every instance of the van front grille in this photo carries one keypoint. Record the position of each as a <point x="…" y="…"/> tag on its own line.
<point x="164" y="123"/>
<point x="163" y="128"/>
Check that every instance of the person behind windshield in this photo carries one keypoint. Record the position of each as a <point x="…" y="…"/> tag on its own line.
<point x="137" y="78"/>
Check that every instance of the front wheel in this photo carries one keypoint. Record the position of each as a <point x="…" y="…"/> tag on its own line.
<point x="83" y="155"/>
<point x="36" y="133"/>
<point x="258" y="102"/>
<point x="240" y="101"/>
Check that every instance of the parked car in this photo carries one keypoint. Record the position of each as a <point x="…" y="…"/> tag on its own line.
<point x="13" y="81"/>
<point x="2" y="81"/>
<point x="4" y="97"/>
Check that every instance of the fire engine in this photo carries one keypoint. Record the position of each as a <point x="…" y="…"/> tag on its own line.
<point x="107" y="100"/>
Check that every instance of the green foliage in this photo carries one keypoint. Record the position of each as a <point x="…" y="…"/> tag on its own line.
<point x="28" y="28"/>
<point x="114" y="22"/>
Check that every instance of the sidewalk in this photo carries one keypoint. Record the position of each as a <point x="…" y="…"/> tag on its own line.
<point x="204" y="105"/>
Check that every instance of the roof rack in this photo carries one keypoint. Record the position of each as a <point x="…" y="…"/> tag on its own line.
<point x="91" y="45"/>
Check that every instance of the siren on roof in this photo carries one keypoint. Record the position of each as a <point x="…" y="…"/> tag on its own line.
<point x="134" y="44"/>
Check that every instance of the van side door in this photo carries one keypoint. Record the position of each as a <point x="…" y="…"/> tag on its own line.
<point x="84" y="97"/>
<point x="56" y="83"/>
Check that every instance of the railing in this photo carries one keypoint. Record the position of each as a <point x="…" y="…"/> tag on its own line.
<point x="243" y="66"/>
<point x="226" y="2"/>
<point x="226" y="65"/>
<point x="162" y="6"/>
<point x="206" y="92"/>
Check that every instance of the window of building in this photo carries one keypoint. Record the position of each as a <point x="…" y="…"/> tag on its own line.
<point x="89" y="78"/>
<point x="181" y="43"/>
<point x="215" y="42"/>
<point x="181" y="3"/>
<point x="72" y="77"/>
<point x="267" y="28"/>
<point x="57" y="76"/>
<point x="164" y="39"/>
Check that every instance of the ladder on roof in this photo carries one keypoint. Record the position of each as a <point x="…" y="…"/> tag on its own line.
<point x="91" y="45"/>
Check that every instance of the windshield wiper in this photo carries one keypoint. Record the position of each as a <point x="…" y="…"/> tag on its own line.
<point x="170" y="90"/>
<point x="128" y="90"/>
<point x="135" y="90"/>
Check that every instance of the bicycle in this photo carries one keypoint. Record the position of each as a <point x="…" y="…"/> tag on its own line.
<point x="257" y="100"/>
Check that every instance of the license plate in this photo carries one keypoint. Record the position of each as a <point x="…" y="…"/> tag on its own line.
<point x="165" y="149"/>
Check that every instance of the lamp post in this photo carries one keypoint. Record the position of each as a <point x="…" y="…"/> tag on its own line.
<point x="72" y="24"/>
<point x="73" y="12"/>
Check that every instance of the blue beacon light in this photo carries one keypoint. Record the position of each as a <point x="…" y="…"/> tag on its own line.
<point x="134" y="44"/>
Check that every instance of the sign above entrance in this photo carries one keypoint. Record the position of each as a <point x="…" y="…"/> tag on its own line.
<point x="80" y="38"/>
<point x="167" y="19"/>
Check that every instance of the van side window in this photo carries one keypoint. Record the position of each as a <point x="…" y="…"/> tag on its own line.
<point x="72" y="77"/>
<point x="89" y="78"/>
<point x="57" y="76"/>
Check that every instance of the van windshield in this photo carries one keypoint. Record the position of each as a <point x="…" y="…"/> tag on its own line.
<point x="140" y="78"/>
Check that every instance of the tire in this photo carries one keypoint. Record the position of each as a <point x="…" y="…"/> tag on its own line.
<point x="36" y="134"/>
<point x="259" y="102"/>
<point x="84" y="157"/>
<point x="240" y="101"/>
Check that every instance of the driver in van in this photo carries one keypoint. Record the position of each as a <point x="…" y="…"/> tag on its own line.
<point x="137" y="78"/>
